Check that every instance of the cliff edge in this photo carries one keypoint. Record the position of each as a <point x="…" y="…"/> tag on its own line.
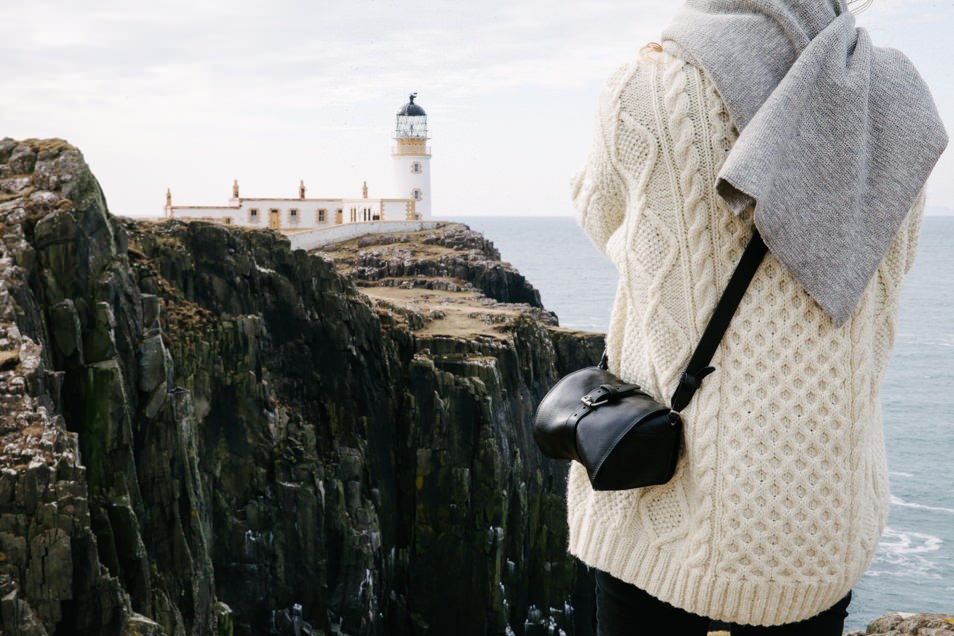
<point x="205" y="432"/>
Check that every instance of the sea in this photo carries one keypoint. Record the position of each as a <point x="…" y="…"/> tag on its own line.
<point x="913" y="568"/>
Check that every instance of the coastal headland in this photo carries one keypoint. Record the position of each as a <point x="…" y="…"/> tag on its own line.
<point x="207" y="432"/>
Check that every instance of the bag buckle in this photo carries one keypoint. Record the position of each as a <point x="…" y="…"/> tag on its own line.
<point x="590" y="402"/>
<point x="607" y="392"/>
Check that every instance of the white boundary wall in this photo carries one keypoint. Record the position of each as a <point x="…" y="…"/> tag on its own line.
<point x="309" y="240"/>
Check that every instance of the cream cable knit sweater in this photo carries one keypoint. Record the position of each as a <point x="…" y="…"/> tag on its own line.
<point x="782" y="492"/>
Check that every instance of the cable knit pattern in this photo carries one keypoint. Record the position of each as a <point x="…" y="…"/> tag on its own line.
<point x="781" y="491"/>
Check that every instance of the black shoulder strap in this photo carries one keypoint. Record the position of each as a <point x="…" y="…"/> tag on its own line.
<point x="698" y="367"/>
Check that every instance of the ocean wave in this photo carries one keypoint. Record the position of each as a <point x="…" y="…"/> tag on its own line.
<point x="895" y="473"/>
<point x="903" y="542"/>
<point x="897" y="501"/>
<point x="902" y="554"/>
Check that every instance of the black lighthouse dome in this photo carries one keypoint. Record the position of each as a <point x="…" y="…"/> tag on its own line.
<point x="411" y="109"/>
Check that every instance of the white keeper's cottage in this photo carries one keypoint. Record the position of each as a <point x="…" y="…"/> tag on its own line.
<point x="412" y="201"/>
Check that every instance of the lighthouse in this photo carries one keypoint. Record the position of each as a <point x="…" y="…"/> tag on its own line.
<point x="412" y="157"/>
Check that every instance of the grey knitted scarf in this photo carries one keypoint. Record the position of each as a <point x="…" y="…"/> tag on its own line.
<point x="837" y="136"/>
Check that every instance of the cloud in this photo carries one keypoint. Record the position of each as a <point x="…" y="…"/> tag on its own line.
<point x="341" y="50"/>
<point x="316" y="84"/>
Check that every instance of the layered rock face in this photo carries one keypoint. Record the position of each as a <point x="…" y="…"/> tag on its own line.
<point x="909" y="625"/>
<point x="202" y="429"/>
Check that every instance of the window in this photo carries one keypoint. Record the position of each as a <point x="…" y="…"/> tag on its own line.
<point x="417" y="168"/>
<point x="416" y="194"/>
<point x="322" y="215"/>
<point x="293" y="216"/>
<point x="253" y="215"/>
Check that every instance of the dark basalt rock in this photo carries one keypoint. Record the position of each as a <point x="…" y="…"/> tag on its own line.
<point x="434" y="259"/>
<point x="202" y="428"/>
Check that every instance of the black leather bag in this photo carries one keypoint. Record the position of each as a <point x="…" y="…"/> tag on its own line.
<point x="622" y="435"/>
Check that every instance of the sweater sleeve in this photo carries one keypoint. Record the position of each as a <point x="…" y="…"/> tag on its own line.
<point x="599" y="191"/>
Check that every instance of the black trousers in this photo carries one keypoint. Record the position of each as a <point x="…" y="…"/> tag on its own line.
<point x="625" y="610"/>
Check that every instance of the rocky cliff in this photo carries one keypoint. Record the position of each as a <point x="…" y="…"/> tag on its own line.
<point x="205" y="432"/>
<point x="909" y="625"/>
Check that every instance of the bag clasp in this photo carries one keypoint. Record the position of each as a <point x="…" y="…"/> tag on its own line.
<point x="605" y="393"/>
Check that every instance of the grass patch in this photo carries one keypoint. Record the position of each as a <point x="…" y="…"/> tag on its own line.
<point x="9" y="359"/>
<point x="54" y="145"/>
<point x="10" y="197"/>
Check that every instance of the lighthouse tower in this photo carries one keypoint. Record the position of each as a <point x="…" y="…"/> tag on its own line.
<point x="412" y="158"/>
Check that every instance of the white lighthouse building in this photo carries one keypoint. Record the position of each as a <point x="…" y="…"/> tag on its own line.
<point x="412" y="157"/>
<point x="411" y="200"/>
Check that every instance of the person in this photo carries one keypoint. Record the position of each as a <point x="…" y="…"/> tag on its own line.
<point x="780" y="115"/>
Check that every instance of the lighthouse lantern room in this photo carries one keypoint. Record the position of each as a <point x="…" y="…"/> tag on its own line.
<point x="412" y="157"/>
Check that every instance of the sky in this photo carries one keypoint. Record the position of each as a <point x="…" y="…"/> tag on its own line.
<point x="192" y="94"/>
